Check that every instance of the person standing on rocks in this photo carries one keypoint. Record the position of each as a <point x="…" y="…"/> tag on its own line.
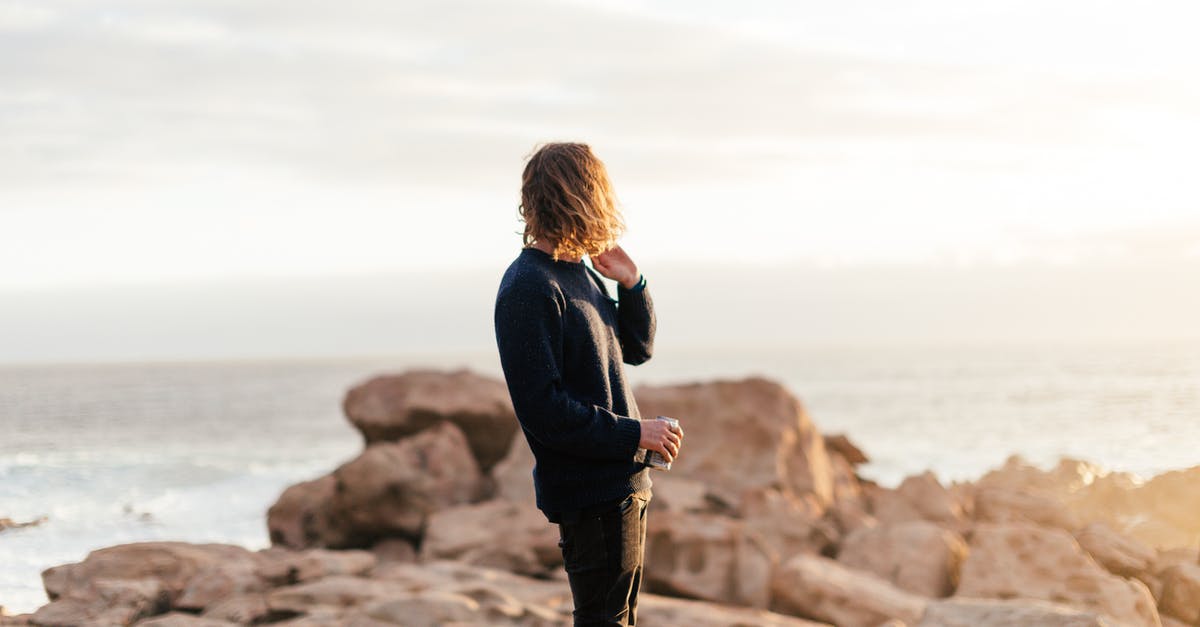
<point x="563" y="342"/>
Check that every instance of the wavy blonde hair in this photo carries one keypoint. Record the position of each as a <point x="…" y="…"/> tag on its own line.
<point x="567" y="200"/>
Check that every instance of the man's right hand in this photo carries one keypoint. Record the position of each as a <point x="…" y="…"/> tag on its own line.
<point x="659" y="435"/>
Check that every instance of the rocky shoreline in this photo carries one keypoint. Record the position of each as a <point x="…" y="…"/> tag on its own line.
<point x="762" y="521"/>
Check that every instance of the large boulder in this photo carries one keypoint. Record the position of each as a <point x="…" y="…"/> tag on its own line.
<point x="742" y="435"/>
<point x="1119" y="554"/>
<point x="1181" y="592"/>
<point x="300" y="517"/>
<point x="392" y="488"/>
<point x="816" y="587"/>
<point x="1007" y="613"/>
<point x="498" y="534"/>
<point x="1026" y="561"/>
<point x="391" y="407"/>
<point x="916" y="556"/>
<point x="706" y="556"/>
<point x="1003" y="505"/>
<point x="918" y="497"/>
<point x="512" y="477"/>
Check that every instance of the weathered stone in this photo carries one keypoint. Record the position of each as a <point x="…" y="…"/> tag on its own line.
<point x="1007" y="613"/>
<point x="1001" y="505"/>
<point x="841" y="445"/>
<point x="333" y="591"/>
<point x="820" y="588"/>
<point x="497" y="534"/>
<point x="1120" y="555"/>
<point x="392" y="488"/>
<point x="930" y="499"/>
<point x="394" y="550"/>
<point x="743" y="435"/>
<point x="183" y="619"/>
<point x="660" y="610"/>
<point x="707" y="557"/>
<point x="916" y="556"/>
<point x="1181" y="592"/>
<point x="1024" y="561"/>
<point x="300" y="517"/>
<point x="513" y="475"/>
<point x="242" y="609"/>
<point x="282" y="566"/>
<point x="389" y="408"/>
<point x="788" y="523"/>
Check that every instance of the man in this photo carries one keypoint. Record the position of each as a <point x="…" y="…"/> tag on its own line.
<point x="562" y="342"/>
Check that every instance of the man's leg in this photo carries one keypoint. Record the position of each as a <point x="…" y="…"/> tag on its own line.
<point x="602" y="554"/>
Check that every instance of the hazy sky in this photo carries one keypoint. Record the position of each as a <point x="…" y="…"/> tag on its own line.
<point x="203" y="138"/>
<point x="963" y="145"/>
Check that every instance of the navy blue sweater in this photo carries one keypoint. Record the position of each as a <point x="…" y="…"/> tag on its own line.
<point x="562" y="342"/>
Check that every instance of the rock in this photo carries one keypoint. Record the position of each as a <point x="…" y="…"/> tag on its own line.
<point x="1181" y="592"/>
<point x="1007" y="613"/>
<point x="8" y="523"/>
<point x="788" y="523"/>
<point x="219" y="581"/>
<point x="392" y="488"/>
<point x="513" y="476"/>
<point x="931" y="500"/>
<point x="706" y="556"/>
<point x="743" y="435"/>
<point x="678" y="494"/>
<point x="172" y="566"/>
<point x="389" y="408"/>
<point x="241" y="609"/>
<point x="430" y="608"/>
<point x="183" y="619"/>
<point x="1120" y="555"/>
<point x="394" y="550"/>
<point x="916" y="556"/>
<point x="104" y="600"/>
<point x="300" y="517"/>
<point x="282" y="566"/>
<point x="498" y="534"/>
<point x="659" y="610"/>
<point x="1002" y="505"/>
<point x="335" y="591"/>
<point x="1024" y="561"/>
<point x="820" y="588"/>
<point x="841" y="445"/>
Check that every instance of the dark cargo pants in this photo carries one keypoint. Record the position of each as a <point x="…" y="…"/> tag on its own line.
<point x="602" y="553"/>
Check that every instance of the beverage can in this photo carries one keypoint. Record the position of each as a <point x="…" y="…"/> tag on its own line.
<point x="655" y="459"/>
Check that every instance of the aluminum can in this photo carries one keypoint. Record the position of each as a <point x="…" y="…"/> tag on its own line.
<point x="655" y="459"/>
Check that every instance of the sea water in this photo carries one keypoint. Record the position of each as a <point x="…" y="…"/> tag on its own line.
<point x="114" y="453"/>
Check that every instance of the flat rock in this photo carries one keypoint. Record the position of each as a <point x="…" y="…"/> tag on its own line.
<point x="1007" y="613"/>
<point x="498" y="534"/>
<point x="709" y="557"/>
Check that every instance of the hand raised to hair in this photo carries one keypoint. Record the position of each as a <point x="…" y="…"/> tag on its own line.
<point x="616" y="265"/>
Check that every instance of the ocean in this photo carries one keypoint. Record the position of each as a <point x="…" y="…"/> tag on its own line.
<point x="113" y="453"/>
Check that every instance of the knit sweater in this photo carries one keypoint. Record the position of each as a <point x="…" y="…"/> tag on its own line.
<point x="562" y="342"/>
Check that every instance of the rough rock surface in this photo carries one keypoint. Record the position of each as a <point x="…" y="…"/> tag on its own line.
<point x="744" y="434"/>
<point x="391" y="407"/>
<point x="1120" y="555"/>
<point x="916" y="556"/>
<point x="1026" y="561"/>
<point x="393" y="487"/>
<point x="820" y="588"/>
<point x="706" y="556"/>
<point x="498" y="534"/>
<point x="1007" y="613"/>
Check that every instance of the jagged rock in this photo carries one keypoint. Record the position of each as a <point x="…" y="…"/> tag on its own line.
<point x="840" y="444"/>
<point x="300" y="517"/>
<point x="931" y="500"/>
<point x="917" y="556"/>
<point x="240" y="609"/>
<point x="788" y="523"/>
<point x="1024" y="561"/>
<point x="743" y="435"/>
<point x="1002" y="505"/>
<point x="706" y="556"/>
<point x="497" y="534"/>
<point x="389" y="408"/>
<point x="392" y="488"/>
<point x="1007" y="613"/>
<point x="820" y="588"/>
<point x="104" y="600"/>
<point x="1181" y="592"/>
<point x="1120" y="555"/>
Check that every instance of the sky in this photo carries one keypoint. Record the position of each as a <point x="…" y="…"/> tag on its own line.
<point x="153" y="146"/>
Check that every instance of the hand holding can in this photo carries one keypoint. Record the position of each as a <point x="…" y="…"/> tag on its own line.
<point x="670" y="439"/>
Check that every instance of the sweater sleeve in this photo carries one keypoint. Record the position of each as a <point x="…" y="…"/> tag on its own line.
<point x="529" y="334"/>
<point x="636" y="323"/>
